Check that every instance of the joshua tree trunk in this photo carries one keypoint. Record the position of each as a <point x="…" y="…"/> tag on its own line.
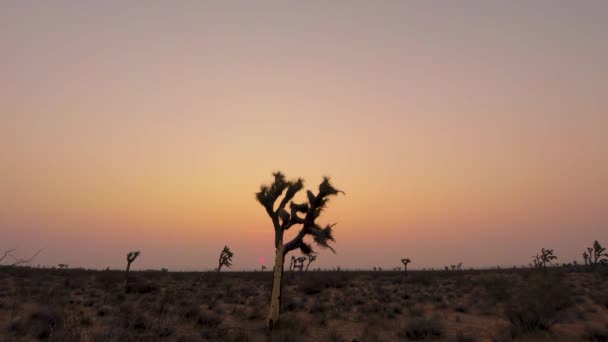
<point x="127" y="272"/>
<point x="275" y="298"/>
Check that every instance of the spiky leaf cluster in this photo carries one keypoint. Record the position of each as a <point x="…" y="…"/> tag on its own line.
<point x="226" y="257"/>
<point x="131" y="256"/>
<point x="304" y="214"/>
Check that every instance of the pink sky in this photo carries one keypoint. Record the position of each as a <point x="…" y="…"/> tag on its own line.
<point x="472" y="133"/>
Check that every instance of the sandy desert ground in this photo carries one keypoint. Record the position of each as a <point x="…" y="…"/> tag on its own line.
<point x="557" y="304"/>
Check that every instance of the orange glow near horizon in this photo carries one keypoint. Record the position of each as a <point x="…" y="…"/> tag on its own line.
<point x="478" y="143"/>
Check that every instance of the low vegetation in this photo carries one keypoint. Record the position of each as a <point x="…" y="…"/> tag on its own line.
<point x="559" y="303"/>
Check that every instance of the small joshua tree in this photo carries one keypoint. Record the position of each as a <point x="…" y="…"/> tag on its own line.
<point x="130" y="258"/>
<point x="405" y="262"/>
<point x="545" y="257"/>
<point x="297" y="263"/>
<point x="586" y="258"/>
<point x="284" y="217"/>
<point x="597" y="254"/>
<point x="311" y="258"/>
<point x="263" y="268"/>
<point x="225" y="258"/>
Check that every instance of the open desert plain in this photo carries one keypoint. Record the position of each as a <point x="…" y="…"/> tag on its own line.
<point x="557" y="304"/>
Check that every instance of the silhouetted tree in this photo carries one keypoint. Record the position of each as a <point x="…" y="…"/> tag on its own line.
<point x="298" y="263"/>
<point x="544" y="259"/>
<point x="225" y="258"/>
<point x="263" y="268"/>
<point x="283" y="220"/>
<point x="405" y="262"/>
<point x="131" y="256"/>
<point x="311" y="257"/>
<point x="597" y="254"/>
<point x="586" y="258"/>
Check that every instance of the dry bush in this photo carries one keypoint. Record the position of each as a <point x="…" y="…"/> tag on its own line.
<point x="422" y="329"/>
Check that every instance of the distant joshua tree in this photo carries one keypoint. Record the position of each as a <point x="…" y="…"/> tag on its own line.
<point x="225" y="258"/>
<point x="282" y="220"/>
<point x="297" y="263"/>
<point x="311" y="257"/>
<point x="597" y="255"/>
<point x="63" y="266"/>
<point x="405" y="262"/>
<point x="545" y="257"/>
<point x="130" y="258"/>
<point x="263" y="268"/>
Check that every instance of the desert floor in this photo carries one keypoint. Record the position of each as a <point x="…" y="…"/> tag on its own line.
<point x="557" y="304"/>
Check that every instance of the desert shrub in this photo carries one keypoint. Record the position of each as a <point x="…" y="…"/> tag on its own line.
<point x="536" y="307"/>
<point x="461" y="308"/>
<point x="601" y="298"/>
<point x="422" y="329"/>
<point x="310" y="286"/>
<point x="109" y="279"/>
<point x="462" y="337"/>
<point x="43" y="323"/>
<point x="496" y="286"/>
<point x="238" y="336"/>
<point x="208" y="319"/>
<point x="595" y="333"/>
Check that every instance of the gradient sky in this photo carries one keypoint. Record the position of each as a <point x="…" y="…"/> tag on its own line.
<point x="461" y="131"/>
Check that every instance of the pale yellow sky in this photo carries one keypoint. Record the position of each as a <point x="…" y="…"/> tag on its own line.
<point x="470" y="132"/>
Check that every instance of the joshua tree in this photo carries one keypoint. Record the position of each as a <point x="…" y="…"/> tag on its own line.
<point x="397" y="268"/>
<point x="459" y="266"/>
<point x="586" y="258"/>
<point x="263" y="268"/>
<point x="597" y="254"/>
<point x="130" y="258"/>
<point x="225" y="258"/>
<point x="282" y="220"/>
<point x="296" y="263"/>
<point x="311" y="257"/>
<point x="405" y="261"/>
<point x="545" y="257"/>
